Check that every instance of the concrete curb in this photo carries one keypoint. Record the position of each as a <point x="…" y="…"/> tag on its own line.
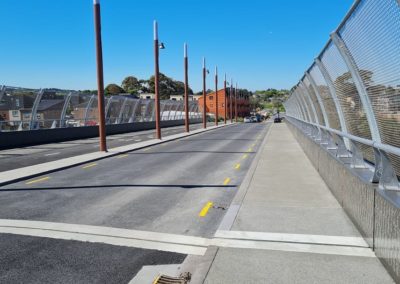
<point x="24" y="173"/>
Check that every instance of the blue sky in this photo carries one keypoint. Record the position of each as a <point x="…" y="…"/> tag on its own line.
<point x="259" y="43"/>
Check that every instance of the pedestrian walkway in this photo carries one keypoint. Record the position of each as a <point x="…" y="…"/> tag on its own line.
<point x="295" y="229"/>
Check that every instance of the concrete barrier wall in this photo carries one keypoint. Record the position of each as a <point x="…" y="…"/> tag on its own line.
<point x="372" y="211"/>
<point x="43" y="136"/>
<point x="387" y="233"/>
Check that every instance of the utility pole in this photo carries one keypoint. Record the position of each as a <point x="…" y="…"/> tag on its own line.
<point x="225" y="108"/>
<point x="156" y="81"/>
<point x="236" y="117"/>
<point x="204" y="94"/>
<point x="186" y="65"/>
<point x="100" y="76"/>
<point x="216" y="96"/>
<point x="231" y="101"/>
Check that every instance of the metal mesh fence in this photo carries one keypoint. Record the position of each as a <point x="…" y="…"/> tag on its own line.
<point x="346" y="91"/>
<point x="372" y="36"/>
<point x="29" y="109"/>
<point x="356" y="79"/>
<point x="309" y="89"/>
<point x="326" y="97"/>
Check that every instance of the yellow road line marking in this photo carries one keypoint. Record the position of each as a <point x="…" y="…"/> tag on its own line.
<point x="226" y="181"/>
<point x="123" y="156"/>
<point x="205" y="209"/>
<point x="89" y="166"/>
<point x="38" y="180"/>
<point x="250" y="150"/>
<point x="253" y="145"/>
<point x="147" y="149"/>
<point x="237" y="167"/>
<point x="245" y="156"/>
<point x="156" y="280"/>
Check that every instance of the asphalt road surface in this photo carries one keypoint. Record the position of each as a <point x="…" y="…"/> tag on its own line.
<point x="166" y="188"/>
<point x="32" y="155"/>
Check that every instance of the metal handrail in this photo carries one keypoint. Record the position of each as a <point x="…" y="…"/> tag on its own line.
<point x="384" y="147"/>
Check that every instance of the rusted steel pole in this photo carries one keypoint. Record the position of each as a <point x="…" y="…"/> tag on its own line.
<point x="100" y="76"/>
<point x="231" y="102"/>
<point x="225" y="105"/>
<point x="156" y="81"/>
<point x="204" y="94"/>
<point x="186" y="65"/>
<point x="216" y="96"/>
<point x="236" y="114"/>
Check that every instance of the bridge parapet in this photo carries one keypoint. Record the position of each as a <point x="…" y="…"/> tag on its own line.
<point x="374" y="208"/>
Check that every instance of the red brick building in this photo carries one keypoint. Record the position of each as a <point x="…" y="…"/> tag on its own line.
<point x="243" y="104"/>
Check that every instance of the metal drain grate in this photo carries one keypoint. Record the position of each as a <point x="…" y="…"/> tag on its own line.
<point x="184" y="278"/>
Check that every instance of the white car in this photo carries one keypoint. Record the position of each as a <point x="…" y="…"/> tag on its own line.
<point x="247" y="120"/>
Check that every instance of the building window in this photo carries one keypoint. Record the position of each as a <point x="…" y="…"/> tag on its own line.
<point x="15" y="113"/>
<point x="211" y="98"/>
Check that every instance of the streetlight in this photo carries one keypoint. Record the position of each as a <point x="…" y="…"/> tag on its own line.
<point x="236" y="118"/>
<point x="157" y="46"/>
<point x="216" y="96"/>
<point x="230" y="101"/>
<point x="225" y="99"/>
<point x="204" y="93"/>
<point x="100" y="76"/>
<point x="186" y="66"/>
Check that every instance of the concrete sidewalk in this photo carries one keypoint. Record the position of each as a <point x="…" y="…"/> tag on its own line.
<point x="296" y="230"/>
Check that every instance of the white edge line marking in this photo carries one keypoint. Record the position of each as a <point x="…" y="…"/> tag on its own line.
<point x="105" y="231"/>
<point x="53" y="154"/>
<point x="294" y="238"/>
<point x="162" y="241"/>
<point x="117" y="241"/>
<point x="293" y="247"/>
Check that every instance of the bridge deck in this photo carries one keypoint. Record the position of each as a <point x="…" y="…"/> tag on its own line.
<point x="296" y="230"/>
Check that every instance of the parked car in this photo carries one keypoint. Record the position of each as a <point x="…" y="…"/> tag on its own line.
<point x="247" y="120"/>
<point x="277" y="120"/>
<point x="253" y="119"/>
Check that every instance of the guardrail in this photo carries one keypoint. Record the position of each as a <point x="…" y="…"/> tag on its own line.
<point x="25" y="109"/>
<point x="334" y="141"/>
<point x="349" y="99"/>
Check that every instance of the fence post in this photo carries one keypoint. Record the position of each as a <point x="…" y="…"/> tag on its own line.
<point x="362" y="91"/>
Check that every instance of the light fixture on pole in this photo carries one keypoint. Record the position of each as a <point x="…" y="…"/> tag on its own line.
<point x="225" y="106"/>
<point x="100" y="76"/>
<point x="186" y="66"/>
<point x="157" y="46"/>
<point x="204" y="93"/>
<point x="236" y="109"/>
<point x="231" y="102"/>
<point x="216" y="96"/>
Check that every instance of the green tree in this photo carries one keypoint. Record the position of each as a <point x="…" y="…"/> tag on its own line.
<point x="131" y="85"/>
<point x="168" y="86"/>
<point x="113" y="89"/>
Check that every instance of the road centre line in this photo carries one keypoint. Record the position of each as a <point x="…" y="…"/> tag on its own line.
<point x="237" y="167"/>
<point x="38" y="180"/>
<point x="226" y="181"/>
<point x="328" y="245"/>
<point x="89" y="166"/>
<point x="205" y="209"/>
<point x="245" y="156"/>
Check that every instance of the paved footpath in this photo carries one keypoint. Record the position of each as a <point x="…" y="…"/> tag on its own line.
<point x="296" y="231"/>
